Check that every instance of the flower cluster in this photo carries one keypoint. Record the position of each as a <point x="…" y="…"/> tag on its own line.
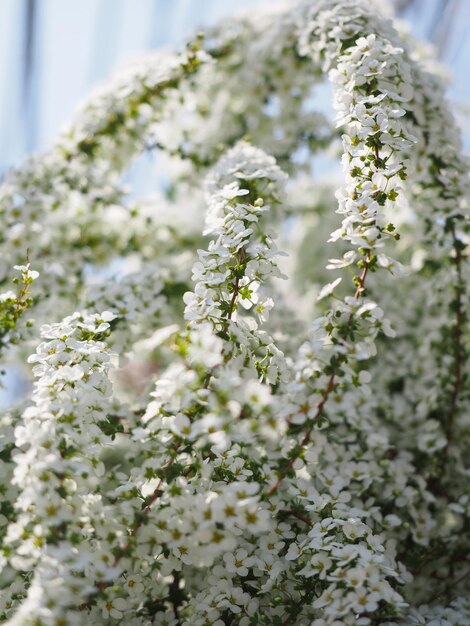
<point x="191" y="454"/>
<point x="69" y="197"/>
<point x="13" y="306"/>
<point x="58" y="466"/>
<point x="231" y="274"/>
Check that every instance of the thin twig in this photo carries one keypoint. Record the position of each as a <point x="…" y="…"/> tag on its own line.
<point x="326" y="393"/>
<point x="454" y="584"/>
<point x="147" y="506"/>
<point x="458" y="351"/>
<point x="240" y="256"/>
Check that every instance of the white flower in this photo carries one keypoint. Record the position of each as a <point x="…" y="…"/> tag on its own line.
<point x="353" y="529"/>
<point x="27" y="272"/>
<point x="113" y="608"/>
<point x="268" y="461"/>
<point x="328" y="289"/>
<point x="239" y="562"/>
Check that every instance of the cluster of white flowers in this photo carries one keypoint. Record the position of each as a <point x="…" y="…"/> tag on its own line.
<point x="58" y="466"/>
<point x="233" y="271"/>
<point x="190" y="455"/>
<point x="14" y="305"/>
<point x="69" y="197"/>
<point x="136" y="300"/>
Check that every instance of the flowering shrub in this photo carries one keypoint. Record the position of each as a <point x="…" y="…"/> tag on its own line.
<point x="195" y="450"/>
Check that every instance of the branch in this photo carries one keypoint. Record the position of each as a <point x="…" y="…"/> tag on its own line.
<point x="326" y="393"/>
<point x="458" y="344"/>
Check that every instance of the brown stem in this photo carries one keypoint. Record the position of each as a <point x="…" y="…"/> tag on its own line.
<point x="299" y="516"/>
<point x="236" y="286"/>
<point x="240" y="256"/>
<point x="305" y="439"/>
<point x="454" y="584"/>
<point x="155" y="494"/>
<point x="328" y="389"/>
<point x="147" y="506"/>
<point x="458" y="348"/>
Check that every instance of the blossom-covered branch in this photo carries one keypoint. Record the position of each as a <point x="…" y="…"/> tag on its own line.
<point x="200" y="452"/>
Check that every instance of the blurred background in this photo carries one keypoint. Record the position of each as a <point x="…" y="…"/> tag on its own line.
<point x="53" y="51"/>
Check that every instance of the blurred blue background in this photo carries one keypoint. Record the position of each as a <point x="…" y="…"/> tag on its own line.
<point x="53" y="51"/>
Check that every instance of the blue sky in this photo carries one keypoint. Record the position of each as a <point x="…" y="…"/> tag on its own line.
<point x="76" y="43"/>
